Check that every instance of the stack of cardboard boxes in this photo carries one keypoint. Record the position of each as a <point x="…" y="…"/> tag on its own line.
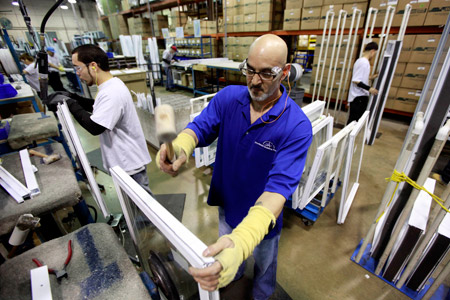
<point x="423" y="12"/>
<point x="141" y="25"/>
<point x="237" y="48"/>
<point x="253" y="15"/>
<point x="412" y="70"/>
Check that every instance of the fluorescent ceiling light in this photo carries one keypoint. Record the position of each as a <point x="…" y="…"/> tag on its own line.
<point x="15" y="3"/>
<point x="73" y="1"/>
<point x="64" y="7"/>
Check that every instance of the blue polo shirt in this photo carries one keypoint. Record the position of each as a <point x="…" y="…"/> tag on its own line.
<point x="252" y="158"/>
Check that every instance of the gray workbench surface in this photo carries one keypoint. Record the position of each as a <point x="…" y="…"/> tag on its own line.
<point x="57" y="182"/>
<point x="99" y="268"/>
<point x="26" y="128"/>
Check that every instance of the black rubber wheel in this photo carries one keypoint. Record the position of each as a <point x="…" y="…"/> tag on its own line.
<point x="161" y="277"/>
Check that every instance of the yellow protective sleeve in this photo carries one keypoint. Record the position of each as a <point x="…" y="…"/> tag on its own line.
<point x="183" y="141"/>
<point x="246" y="236"/>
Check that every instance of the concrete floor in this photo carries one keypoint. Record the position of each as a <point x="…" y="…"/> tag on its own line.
<point x="314" y="261"/>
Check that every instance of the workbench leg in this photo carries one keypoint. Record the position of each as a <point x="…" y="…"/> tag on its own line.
<point x="82" y="211"/>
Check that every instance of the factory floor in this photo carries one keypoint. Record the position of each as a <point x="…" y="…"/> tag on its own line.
<point x="313" y="261"/>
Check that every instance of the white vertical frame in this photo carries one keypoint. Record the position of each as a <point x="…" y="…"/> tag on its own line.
<point x="347" y="199"/>
<point x="189" y="246"/>
<point x="339" y="139"/>
<point x="327" y="125"/>
<point x="322" y="60"/>
<point x="202" y="154"/>
<point x="352" y="36"/>
<point x="72" y="135"/>
<point x="309" y="194"/>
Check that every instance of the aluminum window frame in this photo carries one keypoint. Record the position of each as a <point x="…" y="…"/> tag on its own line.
<point x="189" y="246"/>
<point x="347" y="199"/>
<point x="68" y="128"/>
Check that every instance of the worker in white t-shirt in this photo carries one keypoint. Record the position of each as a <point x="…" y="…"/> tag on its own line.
<point x="31" y="71"/>
<point x="358" y="96"/>
<point x="167" y="59"/>
<point x="54" y="80"/>
<point x="112" y="115"/>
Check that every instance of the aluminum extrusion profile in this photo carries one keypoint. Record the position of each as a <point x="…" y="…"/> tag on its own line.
<point x="13" y="186"/>
<point x="30" y="177"/>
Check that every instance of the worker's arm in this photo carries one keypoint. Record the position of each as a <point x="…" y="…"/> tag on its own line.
<point x="364" y="86"/>
<point x="231" y="250"/>
<point x="166" y="61"/>
<point x="53" y="65"/>
<point x="25" y="72"/>
<point x="183" y="147"/>
<point x="84" y="118"/>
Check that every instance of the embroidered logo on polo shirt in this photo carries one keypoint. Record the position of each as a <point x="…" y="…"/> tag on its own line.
<point x="267" y="145"/>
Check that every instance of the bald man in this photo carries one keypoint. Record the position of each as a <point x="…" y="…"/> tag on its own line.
<point x="263" y="138"/>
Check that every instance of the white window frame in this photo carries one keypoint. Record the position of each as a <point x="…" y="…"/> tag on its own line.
<point x="324" y="124"/>
<point x="329" y="145"/>
<point x="71" y="135"/>
<point x="202" y="153"/>
<point x="314" y="110"/>
<point x="347" y="200"/>
<point x="189" y="246"/>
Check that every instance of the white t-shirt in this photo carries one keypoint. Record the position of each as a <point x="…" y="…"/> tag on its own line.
<point x="361" y="72"/>
<point x="168" y="55"/>
<point x="54" y="60"/>
<point x="122" y="143"/>
<point x="33" y="76"/>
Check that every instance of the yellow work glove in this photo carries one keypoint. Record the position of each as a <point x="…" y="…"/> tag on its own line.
<point x="246" y="236"/>
<point x="183" y="142"/>
<point x="61" y="68"/>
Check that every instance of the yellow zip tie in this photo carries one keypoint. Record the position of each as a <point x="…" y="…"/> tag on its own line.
<point x="401" y="177"/>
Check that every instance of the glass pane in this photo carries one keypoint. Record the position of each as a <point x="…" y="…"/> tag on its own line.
<point x="159" y="258"/>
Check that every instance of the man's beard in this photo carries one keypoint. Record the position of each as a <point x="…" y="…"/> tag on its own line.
<point x="264" y="96"/>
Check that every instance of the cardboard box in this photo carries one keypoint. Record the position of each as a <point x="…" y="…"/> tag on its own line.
<point x="229" y="23"/>
<point x="424" y="48"/>
<point x="292" y="19"/>
<point x="238" y="7"/>
<point x="382" y="6"/>
<point x="238" y="25"/>
<point x="336" y="8"/>
<point x="250" y="22"/>
<point x="398" y="74"/>
<point x="310" y="18"/>
<point x="418" y="12"/>
<point x="263" y="21"/>
<point x="437" y="12"/>
<point x="349" y="8"/>
<point x="312" y="3"/>
<point x="294" y="4"/>
<point x="392" y="92"/>
<point x="249" y="7"/>
<point x="264" y="6"/>
<point x="408" y="43"/>
<point x="406" y="100"/>
<point x="415" y="76"/>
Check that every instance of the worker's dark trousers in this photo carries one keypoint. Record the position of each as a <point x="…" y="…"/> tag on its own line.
<point x="265" y="269"/>
<point x="357" y="108"/>
<point x="55" y="82"/>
